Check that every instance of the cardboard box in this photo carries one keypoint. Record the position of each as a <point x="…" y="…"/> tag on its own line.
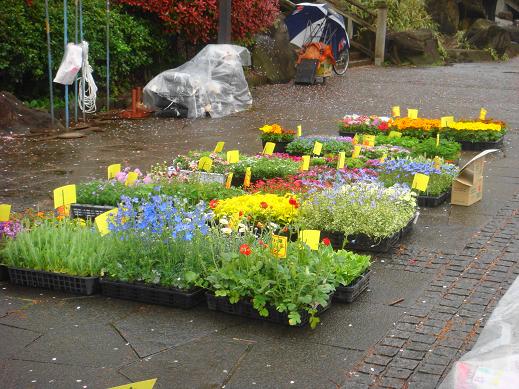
<point x="467" y="188"/>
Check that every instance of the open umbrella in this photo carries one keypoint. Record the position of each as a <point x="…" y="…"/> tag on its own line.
<point x="311" y="22"/>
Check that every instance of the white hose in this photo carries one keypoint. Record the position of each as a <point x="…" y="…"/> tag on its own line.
<point x="87" y="87"/>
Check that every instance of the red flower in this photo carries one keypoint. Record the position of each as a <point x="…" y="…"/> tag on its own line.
<point x="326" y="241"/>
<point x="264" y="205"/>
<point x="213" y="204"/>
<point x="262" y="244"/>
<point x="383" y="126"/>
<point x="241" y="213"/>
<point x="245" y="249"/>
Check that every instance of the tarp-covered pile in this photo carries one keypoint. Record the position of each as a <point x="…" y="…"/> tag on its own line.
<point x="213" y="83"/>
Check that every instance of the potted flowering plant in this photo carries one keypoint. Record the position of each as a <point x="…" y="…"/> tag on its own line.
<point x="159" y="249"/>
<point x="62" y="255"/>
<point x="276" y="134"/>
<point x="364" y="216"/>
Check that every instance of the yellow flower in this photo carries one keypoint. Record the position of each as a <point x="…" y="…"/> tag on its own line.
<point x="266" y="128"/>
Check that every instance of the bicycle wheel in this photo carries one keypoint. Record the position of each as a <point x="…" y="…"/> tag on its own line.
<point x="341" y="64"/>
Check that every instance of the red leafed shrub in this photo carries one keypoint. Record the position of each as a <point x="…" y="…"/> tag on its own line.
<point x="197" y="20"/>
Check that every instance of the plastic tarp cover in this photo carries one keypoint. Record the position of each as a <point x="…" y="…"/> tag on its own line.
<point x="493" y="363"/>
<point x="212" y="82"/>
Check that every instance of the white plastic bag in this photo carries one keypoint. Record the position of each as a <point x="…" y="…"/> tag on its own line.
<point x="70" y="65"/>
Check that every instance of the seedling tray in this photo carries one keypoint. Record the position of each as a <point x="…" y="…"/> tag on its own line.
<point x="244" y="308"/>
<point x="431" y="202"/>
<point x="347" y="133"/>
<point x="4" y="274"/>
<point x="152" y="294"/>
<point x="348" y="294"/>
<point x="479" y="146"/>
<point x="54" y="281"/>
<point x="88" y="211"/>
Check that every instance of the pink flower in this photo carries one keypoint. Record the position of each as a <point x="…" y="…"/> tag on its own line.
<point x="147" y="180"/>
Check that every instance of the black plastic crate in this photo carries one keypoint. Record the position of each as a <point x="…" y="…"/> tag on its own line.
<point x="348" y="294"/>
<point x="244" y="308"/>
<point x="347" y="133"/>
<point x="55" y="281"/>
<point x="87" y="211"/>
<point x="480" y="146"/>
<point x="281" y="147"/>
<point x="152" y="294"/>
<point x="431" y="201"/>
<point x="361" y="242"/>
<point x="305" y="71"/>
<point x="409" y="227"/>
<point x="4" y="274"/>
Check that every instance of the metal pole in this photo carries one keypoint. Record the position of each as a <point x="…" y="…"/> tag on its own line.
<point x="65" y="40"/>
<point x="76" y="20"/>
<point x="49" y="60"/>
<point x="224" y="21"/>
<point x="81" y="39"/>
<point x="107" y="55"/>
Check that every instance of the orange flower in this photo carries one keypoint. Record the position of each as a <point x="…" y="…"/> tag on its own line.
<point x="264" y="205"/>
<point x="245" y="249"/>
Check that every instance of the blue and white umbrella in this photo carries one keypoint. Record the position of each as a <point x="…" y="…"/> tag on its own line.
<point x="311" y="22"/>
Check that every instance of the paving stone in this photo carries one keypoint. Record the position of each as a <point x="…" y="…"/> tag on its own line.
<point x="417" y="346"/>
<point x="431" y="369"/>
<point x="377" y="360"/>
<point x="370" y="368"/>
<point x="394" y="383"/>
<point x="411" y="354"/>
<point x="396" y="372"/>
<point x="403" y="363"/>
<point x="395" y="342"/>
<point x="386" y="350"/>
<point x="428" y="339"/>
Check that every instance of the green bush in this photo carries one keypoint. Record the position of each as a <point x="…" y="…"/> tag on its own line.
<point x="136" y="45"/>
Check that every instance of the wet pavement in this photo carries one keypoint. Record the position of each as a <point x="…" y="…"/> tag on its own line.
<point x="450" y="271"/>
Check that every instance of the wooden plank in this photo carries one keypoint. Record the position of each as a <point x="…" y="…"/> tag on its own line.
<point x="361" y="6"/>
<point x="362" y="48"/>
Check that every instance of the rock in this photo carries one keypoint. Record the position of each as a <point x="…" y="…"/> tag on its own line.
<point x="513" y="50"/>
<point x="17" y="118"/>
<point x="468" y="55"/>
<point x="273" y="56"/>
<point x="514" y="33"/>
<point x="418" y="47"/>
<point x="506" y="15"/>
<point x="71" y="135"/>
<point x="485" y="34"/>
<point x="446" y="13"/>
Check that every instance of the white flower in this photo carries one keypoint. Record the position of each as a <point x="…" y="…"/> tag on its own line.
<point x="223" y="221"/>
<point x="227" y="230"/>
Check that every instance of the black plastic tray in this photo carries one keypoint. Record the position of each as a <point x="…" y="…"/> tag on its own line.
<point x="408" y="228"/>
<point x="245" y="308"/>
<point x="152" y="294"/>
<point x="281" y="147"/>
<point x="347" y="133"/>
<point x="4" y="274"/>
<point x="88" y="211"/>
<point x="348" y="294"/>
<point x="479" y="146"/>
<point x="55" y="281"/>
<point x="431" y="202"/>
<point x="361" y="242"/>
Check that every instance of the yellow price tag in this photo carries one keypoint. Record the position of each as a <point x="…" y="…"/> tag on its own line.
<point x="356" y="151"/>
<point x="299" y="130"/>
<point x="269" y="148"/>
<point x="148" y="384"/>
<point x="317" y="148"/>
<point x="64" y="195"/>
<point x="342" y="159"/>
<point x="437" y="163"/>
<point x="482" y="114"/>
<point x="248" y="175"/>
<point x="279" y="246"/>
<point x="383" y="158"/>
<point x="412" y="113"/>
<point x="102" y="221"/>
<point x="395" y="111"/>
<point x="219" y="147"/>
<point x="369" y="140"/>
<point x="444" y="121"/>
<point x="395" y="134"/>
<point x="5" y="212"/>
<point x="305" y="163"/>
<point x="113" y="170"/>
<point x="205" y="164"/>
<point x="311" y="238"/>
<point x="233" y="156"/>
<point x="355" y="139"/>
<point x="420" y="182"/>
<point x="437" y="139"/>
<point x="228" y="181"/>
<point x="131" y="178"/>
